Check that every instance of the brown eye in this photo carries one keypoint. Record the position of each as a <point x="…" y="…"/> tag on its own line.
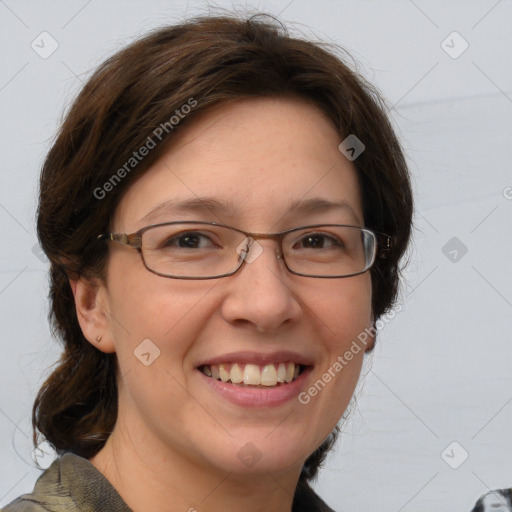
<point x="188" y="240"/>
<point x="319" y="241"/>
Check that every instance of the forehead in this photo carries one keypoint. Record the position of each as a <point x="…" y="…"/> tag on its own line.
<point x="258" y="158"/>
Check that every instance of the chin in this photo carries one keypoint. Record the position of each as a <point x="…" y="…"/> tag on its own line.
<point x="262" y="451"/>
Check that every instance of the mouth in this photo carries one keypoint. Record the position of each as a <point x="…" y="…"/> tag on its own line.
<point x="255" y="379"/>
<point x="252" y="375"/>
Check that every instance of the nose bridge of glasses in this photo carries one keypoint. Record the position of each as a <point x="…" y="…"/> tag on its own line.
<point x="250" y="248"/>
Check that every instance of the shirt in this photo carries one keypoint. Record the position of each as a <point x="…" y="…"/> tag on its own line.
<point x="73" y="484"/>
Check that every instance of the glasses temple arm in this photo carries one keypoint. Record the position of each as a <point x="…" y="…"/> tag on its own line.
<point x="133" y="240"/>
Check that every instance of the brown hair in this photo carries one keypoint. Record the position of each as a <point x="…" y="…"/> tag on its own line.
<point x="133" y="94"/>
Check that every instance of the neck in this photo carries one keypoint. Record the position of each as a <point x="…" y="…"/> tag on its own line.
<point x="150" y="475"/>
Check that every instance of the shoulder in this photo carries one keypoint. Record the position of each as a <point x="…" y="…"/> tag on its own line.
<point x="70" y="484"/>
<point x="23" y="504"/>
<point x="49" y="493"/>
<point x="306" y="500"/>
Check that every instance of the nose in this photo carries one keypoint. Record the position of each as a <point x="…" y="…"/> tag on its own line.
<point x="261" y="293"/>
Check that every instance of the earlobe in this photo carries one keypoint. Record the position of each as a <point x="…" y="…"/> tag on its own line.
<point x="370" y="345"/>
<point x="371" y="332"/>
<point x="92" y="312"/>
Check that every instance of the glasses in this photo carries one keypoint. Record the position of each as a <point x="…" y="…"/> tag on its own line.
<point x="208" y="250"/>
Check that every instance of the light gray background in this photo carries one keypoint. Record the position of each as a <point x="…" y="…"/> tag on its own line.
<point x="441" y="371"/>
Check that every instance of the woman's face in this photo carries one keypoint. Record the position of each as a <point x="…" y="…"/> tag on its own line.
<point x="258" y="157"/>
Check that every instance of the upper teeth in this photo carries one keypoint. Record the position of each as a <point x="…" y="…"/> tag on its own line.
<point x="252" y="374"/>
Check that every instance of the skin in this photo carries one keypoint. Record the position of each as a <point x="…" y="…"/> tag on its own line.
<point x="175" y="442"/>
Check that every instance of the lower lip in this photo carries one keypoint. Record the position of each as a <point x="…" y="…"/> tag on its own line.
<point x="258" y="397"/>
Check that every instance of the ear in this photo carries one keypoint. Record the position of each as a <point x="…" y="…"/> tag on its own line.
<point x="371" y="331"/>
<point x="371" y="341"/>
<point x="92" y="310"/>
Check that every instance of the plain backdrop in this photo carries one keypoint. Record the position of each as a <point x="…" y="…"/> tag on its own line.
<point x="431" y="428"/>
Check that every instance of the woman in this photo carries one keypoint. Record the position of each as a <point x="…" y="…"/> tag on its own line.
<point x="224" y="209"/>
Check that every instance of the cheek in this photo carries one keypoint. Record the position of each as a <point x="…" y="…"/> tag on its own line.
<point x="155" y="322"/>
<point x="144" y="306"/>
<point x="346" y="308"/>
<point x="345" y="313"/>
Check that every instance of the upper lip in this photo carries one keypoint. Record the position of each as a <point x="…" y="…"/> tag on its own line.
<point x="260" y="358"/>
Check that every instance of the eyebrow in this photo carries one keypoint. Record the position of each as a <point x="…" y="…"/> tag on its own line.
<point x="205" y="205"/>
<point x="196" y="205"/>
<point x="321" y="205"/>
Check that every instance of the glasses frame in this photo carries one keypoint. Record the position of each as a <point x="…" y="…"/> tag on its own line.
<point x="381" y="249"/>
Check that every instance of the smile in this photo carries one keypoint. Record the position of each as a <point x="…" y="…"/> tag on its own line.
<point x="253" y="375"/>
<point x="256" y="379"/>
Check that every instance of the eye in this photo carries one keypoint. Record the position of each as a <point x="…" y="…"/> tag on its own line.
<point x="189" y="240"/>
<point x="318" y="241"/>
